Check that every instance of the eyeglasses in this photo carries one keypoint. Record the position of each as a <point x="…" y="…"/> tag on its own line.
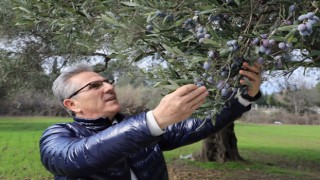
<point x="93" y="85"/>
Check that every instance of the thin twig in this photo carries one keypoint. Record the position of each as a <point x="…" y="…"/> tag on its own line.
<point x="180" y="4"/>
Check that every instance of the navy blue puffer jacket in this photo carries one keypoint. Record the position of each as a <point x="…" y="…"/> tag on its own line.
<point x="96" y="149"/>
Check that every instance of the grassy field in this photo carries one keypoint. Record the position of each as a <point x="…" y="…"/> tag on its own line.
<point x="272" y="152"/>
<point x="19" y="143"/>
<point x="284" y="150"/>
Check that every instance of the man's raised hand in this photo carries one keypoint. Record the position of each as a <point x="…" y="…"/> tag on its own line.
<point x="179" y="105"/>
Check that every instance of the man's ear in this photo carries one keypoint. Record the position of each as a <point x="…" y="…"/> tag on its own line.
<point x="71" y="105"/>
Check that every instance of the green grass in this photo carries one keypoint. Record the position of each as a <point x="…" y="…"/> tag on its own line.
<point x="283" y="150"/>
<point x="19" y="137"/>
<point x="299" y="143"/>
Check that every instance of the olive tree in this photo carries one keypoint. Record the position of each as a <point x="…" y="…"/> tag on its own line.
<point x="206" y="42"/>
<point x="202" y="42"/>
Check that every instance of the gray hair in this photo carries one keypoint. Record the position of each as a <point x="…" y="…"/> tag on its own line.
<point x="62" y="88"/>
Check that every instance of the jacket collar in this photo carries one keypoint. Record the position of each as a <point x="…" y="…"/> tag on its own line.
<point x="99" y="123"/>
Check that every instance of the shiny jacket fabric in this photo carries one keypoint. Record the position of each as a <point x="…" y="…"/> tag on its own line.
<point x="96" y="149"/>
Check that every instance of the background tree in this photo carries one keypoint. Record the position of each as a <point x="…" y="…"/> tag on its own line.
<point x="39" y="38"/>
<point x="61" y="32"/>
<point x="298" y="100"/>
<point x="199" y="42"/>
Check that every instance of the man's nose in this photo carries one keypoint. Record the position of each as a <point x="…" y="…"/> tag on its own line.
<point x="107" y="87"/>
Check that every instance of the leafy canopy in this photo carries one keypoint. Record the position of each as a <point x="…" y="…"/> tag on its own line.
<point x="206" y="42"/>
<point x="201" y="42"/>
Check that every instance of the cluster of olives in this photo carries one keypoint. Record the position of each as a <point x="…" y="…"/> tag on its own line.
<point x="225" y="80"/>
<point x="308" y="21"/>
<point x="215" y="74"/>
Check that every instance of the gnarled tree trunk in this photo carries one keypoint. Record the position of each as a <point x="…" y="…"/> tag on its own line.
<point x="221" y="147"/>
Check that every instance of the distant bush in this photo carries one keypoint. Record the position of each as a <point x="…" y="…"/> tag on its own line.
<point x="29" y="103"/>
<point x="273" y="115"/>
<point x="137" y="99"/>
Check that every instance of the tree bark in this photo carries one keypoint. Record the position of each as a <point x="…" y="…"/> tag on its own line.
<point x="221" y="147"/>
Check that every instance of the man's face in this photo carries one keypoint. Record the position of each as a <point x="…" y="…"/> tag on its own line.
<point x="94" y="102"/>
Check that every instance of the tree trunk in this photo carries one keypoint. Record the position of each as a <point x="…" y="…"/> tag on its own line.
<point x="221" y="147"/>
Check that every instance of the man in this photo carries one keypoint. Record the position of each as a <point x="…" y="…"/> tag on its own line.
<point x="103" y="144"/>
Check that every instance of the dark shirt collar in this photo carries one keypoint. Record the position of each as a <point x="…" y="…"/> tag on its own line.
<point x="99" y="123"/>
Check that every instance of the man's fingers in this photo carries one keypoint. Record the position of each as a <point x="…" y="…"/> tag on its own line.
<point x="251" y="75"/>
<point x="186" y="89"/>
<point x="201" y="97"/>
<point x="197" y="105"/>
<point x="194" y="94"/>
<point x="256" y="67"/>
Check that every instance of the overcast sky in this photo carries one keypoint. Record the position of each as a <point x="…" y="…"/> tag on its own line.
<point x="308" y="79"/>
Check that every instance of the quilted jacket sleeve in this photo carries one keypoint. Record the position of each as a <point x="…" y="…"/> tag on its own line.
<point x="192" y="129"/>
<point x="65" y="153"/>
